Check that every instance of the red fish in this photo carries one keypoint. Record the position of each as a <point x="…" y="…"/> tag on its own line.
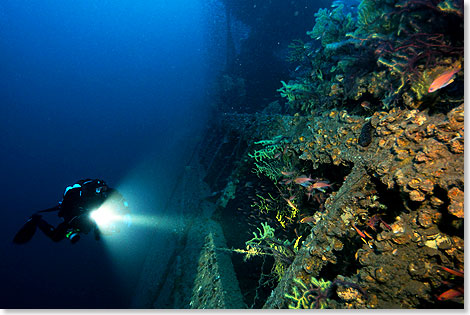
<point x="444" y="79"/>
<point x="289" y="202"/>
<point x="359" y="232"/>
<point x="457" y="273"/>
<point x="286" y="181"/>
<point x="365" y="105"/>
<point x="302" y="180"/>
<point x="319" y="185"/>
<point x="287" y="173"/>
<point x="450" y="294"/>
<point x="307" y="220"/>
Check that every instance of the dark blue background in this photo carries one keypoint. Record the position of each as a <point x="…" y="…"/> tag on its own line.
<point x="100" y="89"/>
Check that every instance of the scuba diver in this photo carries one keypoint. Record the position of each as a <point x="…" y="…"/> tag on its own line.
<point x="87" y="205"/>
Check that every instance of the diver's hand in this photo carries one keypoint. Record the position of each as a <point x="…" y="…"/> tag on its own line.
<point x="97" y="234"/>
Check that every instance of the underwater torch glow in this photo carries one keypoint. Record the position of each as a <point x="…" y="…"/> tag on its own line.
<point x="109" y="219"/>
<point x="104" y="215"/>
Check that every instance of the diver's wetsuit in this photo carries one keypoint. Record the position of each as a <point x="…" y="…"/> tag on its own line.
<point x="79" y="200"/>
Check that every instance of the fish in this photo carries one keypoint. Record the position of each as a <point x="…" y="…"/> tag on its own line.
<point x="457" y="273"/>
<point x="285" y="150"/>
<point x="287" y="173"/>
<point x="286" y="181"/>
<point x="306" y="184"/>
<point x="291" y="205"/>
<point x="302" y="180"/>
<point x="362" y="235"/>
<point x="307" y="220"/>
<point x="450" y="294"/>
<point x="319" y="186"/>
<point x="289" y="202"/>
<point x="444" y="79"/>
<point x="365" y="105"/>
<point x="309" y="195"/>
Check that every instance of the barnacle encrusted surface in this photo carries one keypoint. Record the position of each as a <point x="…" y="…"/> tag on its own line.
<point x="410" y="175"/>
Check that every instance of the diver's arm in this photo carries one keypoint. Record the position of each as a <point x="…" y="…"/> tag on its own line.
<point x="56" y="208"/>
<point x="97" y="233"/>
<point x="56" y="234"/>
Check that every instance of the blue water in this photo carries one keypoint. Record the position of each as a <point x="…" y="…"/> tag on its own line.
<point x="100" y="89"/>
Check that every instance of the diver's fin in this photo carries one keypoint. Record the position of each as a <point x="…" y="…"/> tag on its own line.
<point x="26" y="232"/>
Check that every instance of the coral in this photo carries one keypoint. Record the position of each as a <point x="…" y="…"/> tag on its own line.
<point x="297" y="51"/>
<point x="390" y="50"/>
<point x="271" y="147"/>
<point x="451" y="6"/>
<point x="313" y="295"/>
<point x="407" y="43"/>
<point x="264" y="205"/>
<point x="331" y="26"/>
<point x="268" y="232"/>
<point x="294" y="91"/>
<point x="370" y="17"/>
<point x="397" y="210"/>
<point x="331" y="47"/>
<point x="269" y="160"/>
<point x="405" y="190"/>
<point x="419" y="88"/>
<point x="266" y="243"/>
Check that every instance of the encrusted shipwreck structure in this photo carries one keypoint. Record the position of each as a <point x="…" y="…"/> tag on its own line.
<point x="350" y="194"/>
<point x="354" y="189"/>
<point x="390" y="233"/>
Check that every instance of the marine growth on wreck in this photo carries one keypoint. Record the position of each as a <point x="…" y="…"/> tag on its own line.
<point x="347" y="190"/>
